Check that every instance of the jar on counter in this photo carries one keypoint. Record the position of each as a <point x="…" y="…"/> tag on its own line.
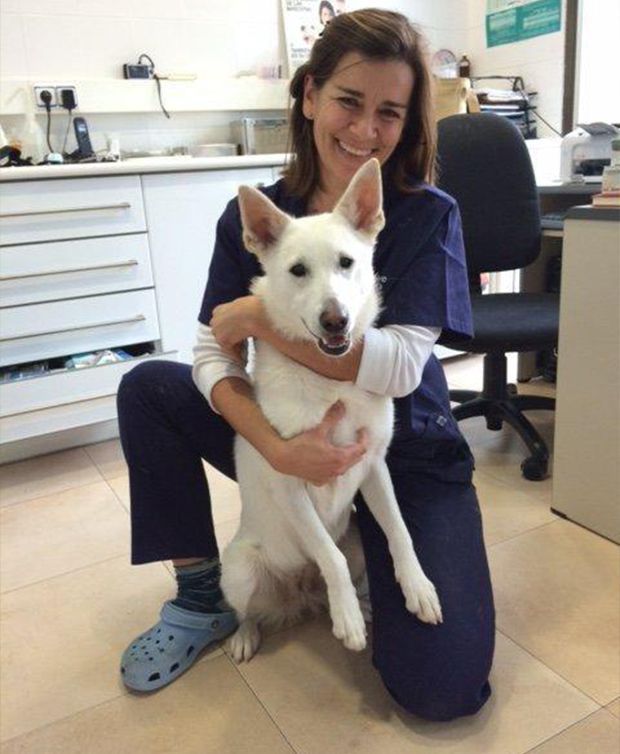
<point x="464" y="67"/>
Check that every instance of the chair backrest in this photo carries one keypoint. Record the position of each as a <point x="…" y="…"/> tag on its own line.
<point x="484" y="164"/>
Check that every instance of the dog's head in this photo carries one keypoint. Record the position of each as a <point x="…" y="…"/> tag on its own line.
<point x="319" y="283"/>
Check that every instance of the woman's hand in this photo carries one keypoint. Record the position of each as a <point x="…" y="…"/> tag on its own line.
<point x="233" y="323"/>
<point x="313" y="457"/>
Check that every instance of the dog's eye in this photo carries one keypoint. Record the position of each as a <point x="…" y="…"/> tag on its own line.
<point x="346" y="262"/>
<point x="299" y="270"/>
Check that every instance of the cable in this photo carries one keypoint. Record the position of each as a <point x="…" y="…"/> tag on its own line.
<point x="157" y="81"/>
<point x="46" y="98"/>
<point x="533" y="109"/>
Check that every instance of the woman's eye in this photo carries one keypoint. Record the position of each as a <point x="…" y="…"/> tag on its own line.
<point x="390" y="114"/>
<point x="348" y="101"/>
<point x="299" y="270"/>
<point x="346" y="262"/>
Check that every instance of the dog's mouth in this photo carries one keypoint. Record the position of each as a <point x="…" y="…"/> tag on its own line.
<point x="332" y="345"/>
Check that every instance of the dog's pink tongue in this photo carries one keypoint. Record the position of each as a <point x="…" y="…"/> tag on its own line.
<point x="336" y="340"/>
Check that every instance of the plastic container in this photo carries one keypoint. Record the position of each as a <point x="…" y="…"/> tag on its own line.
<point x="611" y="173"/>
<point x="32" y="139"/>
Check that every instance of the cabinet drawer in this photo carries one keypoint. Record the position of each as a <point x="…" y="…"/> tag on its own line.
<point x="70" y="208"/>
<point x="65" y="269"/>
<point x="56" y="402"/>
<point x="60" y="328"/>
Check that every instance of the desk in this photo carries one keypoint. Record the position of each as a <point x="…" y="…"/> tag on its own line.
<point x="586" y="467"/>
<point x="554" y="196"/>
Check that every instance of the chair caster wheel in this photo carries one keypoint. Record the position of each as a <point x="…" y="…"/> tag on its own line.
<point x="534" y="469"/>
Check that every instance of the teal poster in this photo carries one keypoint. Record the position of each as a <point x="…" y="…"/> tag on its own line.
<point x="514" y="20"/>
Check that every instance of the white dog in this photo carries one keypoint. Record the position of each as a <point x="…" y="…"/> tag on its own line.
<point x="319" y="286"/>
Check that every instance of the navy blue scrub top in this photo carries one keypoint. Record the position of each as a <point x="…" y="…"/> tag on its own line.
<point x="420" y="263"/>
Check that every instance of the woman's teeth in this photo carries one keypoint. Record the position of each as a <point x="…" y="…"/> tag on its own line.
<point x="351" y="150"/>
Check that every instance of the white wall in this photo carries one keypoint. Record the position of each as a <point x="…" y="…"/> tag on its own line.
<point x="540" y="62"/>
<point x="66" y="41"/>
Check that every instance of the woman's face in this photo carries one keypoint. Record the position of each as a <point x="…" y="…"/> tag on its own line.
<point x="357" y="114"/>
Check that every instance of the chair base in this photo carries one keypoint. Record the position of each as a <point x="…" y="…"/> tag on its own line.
<point x="499" y="403"/>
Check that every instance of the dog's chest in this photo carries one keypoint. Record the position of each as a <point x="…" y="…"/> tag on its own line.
<point x="295" y="399"/>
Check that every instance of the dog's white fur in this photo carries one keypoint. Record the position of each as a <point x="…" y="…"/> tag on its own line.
<point x="288" y="526"/>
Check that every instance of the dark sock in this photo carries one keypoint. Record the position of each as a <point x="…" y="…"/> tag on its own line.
<point x="199" y="587"/>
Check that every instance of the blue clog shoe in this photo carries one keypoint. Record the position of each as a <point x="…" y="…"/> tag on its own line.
<point x="170" y="647"/>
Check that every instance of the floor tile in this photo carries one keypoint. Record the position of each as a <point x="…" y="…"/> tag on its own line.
<point x="599" y="734"/>
<point x="62" y="639"/>
<point x="44" y="475"/>
<point x="58" y="533"/>
<point x="225" y="497"/>
<point x="507" y="512"/>
<point x="614" y="707"/>
<point x="108" y="458"/>
<point x="500" y="454"/>
<point x="209" y="710"/>
<point x="327" y="700"/>
<point x="557" y="594"/>
<point x="464" y="372"/>
<point x="225" y="531"/>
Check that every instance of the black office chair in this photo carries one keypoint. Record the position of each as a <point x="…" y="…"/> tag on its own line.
<point x="485" y="165"/>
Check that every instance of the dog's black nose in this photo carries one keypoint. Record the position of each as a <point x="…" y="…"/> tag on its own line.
<point x="334" y="318"/>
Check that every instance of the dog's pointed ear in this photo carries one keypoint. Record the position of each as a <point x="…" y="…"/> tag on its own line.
<point x="362" y="202"/>
<point x="263" y="223"/>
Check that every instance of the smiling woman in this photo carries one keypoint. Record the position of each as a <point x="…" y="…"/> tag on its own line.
<point x="366" y="91"/>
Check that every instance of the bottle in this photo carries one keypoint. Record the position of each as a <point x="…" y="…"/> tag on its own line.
<point x="464" y="67"/>
<point x="611" y="173"/>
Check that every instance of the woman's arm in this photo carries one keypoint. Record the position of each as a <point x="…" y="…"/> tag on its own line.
<point x="245" y="317"/>
<point x="309" y="455"/>
<point x="388" y="361"/>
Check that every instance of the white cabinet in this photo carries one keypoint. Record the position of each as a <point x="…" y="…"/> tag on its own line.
<point x="94" y="263"/>
<point x="182" y="211"/>
<point x="75" y="277"/>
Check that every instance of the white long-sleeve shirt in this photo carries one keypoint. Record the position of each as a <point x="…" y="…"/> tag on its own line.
<point x="393" y="359"/>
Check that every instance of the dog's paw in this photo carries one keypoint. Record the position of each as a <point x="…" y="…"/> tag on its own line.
<point x="349" y="626"/>
<point x="421" y="598"/>
<point x="243" y="644"/>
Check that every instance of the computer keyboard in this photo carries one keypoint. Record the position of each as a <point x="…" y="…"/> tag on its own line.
<point x="553" y="220"/>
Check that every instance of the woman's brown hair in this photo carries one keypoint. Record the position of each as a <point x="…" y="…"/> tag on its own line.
<point x="376" y="35"/>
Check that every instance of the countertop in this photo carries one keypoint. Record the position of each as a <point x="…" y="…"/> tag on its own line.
<point x="177" y="164"/>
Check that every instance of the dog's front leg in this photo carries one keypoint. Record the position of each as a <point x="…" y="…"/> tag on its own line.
<point x="300" y="513"/>
<point x="420" y="595"/>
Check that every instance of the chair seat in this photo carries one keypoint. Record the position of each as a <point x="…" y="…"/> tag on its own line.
<point x="506" y="322"/>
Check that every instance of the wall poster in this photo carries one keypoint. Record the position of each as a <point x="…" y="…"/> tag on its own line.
<point x="515" y="20"/>
<point x="304" y="20"/>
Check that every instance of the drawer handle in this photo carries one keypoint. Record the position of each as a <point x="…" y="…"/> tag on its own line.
<point x="128" y="263"/>
<point x="99" y="208"/>
<point x="109" y="323"/>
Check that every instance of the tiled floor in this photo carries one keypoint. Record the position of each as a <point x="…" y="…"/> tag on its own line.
<point x="71" y="602"/>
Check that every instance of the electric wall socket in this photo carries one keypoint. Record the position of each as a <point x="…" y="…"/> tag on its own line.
<point x="59" y="91"/>
<point x="38" y="91"/>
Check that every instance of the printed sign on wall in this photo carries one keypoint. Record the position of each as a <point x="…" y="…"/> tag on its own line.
<point x="515" y="20"/>
<point x="304" y="20"/>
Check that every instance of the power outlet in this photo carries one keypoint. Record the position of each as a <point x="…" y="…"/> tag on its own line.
<point x="61" y="89"/>
<point x="38" y="91"/>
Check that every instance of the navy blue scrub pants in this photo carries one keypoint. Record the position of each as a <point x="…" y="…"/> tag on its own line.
<point x="437" y="672"/>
